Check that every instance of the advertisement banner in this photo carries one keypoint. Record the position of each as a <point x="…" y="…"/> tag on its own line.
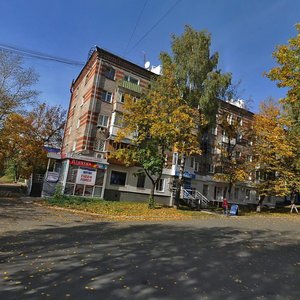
<point x="87" y="177"/>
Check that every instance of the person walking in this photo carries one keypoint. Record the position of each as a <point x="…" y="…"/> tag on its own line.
<point x="293" y="205"/>
<point x="225" y="207"/>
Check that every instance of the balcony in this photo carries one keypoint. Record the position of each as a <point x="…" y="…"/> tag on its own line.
<point x="131" y="86"/>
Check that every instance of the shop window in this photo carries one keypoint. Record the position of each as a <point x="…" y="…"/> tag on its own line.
<point x="141" y="180"/>
<point x="118" y="178"/>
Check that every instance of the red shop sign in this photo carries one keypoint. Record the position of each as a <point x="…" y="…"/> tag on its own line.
<point x="82" y="163"/>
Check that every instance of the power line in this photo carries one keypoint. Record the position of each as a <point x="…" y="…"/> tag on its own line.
<point x="155" y="25"/>
<point x="39" y="55"/>
<point x="135" y="26"/>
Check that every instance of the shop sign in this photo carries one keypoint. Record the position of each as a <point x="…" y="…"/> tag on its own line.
<point x="52" y="176"/>
<point x="81" y="163"/>
<point x="87" y="177"/>
<point x="186" y="174"/>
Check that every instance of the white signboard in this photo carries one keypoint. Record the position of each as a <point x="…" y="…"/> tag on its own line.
<point x="87" y="177"/>
<point x="52" y="176"/>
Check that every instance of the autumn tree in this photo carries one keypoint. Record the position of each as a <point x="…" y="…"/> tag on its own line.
<point x="23" y="138"/>
<point x="48" y="123"/>
<point x="272" y="152"/>
<point x="21" y="151"/>
<point x="16" y="83"/>
<point x="161" y="121"/>
<point x="199" y="79"/>
<point x="287" y="75"/>
<point x="232" y="165"/>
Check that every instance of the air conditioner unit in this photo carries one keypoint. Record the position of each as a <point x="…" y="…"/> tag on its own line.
<point x="99" y="155"/>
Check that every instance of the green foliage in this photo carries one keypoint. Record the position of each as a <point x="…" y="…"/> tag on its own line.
<point x="196" y="70"/>
<point x="58" y="193"/>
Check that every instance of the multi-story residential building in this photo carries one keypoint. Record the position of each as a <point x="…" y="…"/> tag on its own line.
<point x="95" y="116"/>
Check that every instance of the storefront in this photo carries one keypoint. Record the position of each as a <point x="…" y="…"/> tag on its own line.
<point x="84" y="178"/>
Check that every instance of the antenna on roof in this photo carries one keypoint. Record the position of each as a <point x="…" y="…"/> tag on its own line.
<point x="91" y="52"/>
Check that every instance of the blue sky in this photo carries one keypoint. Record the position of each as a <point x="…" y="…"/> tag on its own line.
<point x="244" y="33"/>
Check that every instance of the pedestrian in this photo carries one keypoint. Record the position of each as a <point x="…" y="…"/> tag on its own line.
<point x="225" y="206"/>
<point x="293" y="205"/>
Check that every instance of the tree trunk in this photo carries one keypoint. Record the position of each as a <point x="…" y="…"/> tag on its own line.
<point x="151" y="203"/>
<point x="179" y="184"/>
<point x="229" y="191"/>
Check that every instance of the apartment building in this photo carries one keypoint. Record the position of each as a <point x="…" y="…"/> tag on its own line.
<point x="94" y="118"/>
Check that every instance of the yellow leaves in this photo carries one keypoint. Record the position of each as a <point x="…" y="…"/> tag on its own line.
<point x="137" y="211"/>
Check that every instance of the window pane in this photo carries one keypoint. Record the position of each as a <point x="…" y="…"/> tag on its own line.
<point x="141" y="181"/>
<point x="118" y="178"/>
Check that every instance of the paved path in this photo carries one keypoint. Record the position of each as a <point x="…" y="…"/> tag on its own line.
<point x="48" y="254"/>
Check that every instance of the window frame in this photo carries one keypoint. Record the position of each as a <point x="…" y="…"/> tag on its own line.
<point x="160" y="185"/>
<point x="105" y="98"/>
<point x="100" y="124"/>
<point x="129" y="78"/>
<point x="118" y="180"/>
<point x="107" y="72"/>
<point x="141" y="179"/>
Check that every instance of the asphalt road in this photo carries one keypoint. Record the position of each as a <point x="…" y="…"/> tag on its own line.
<point x="48" y="254"/>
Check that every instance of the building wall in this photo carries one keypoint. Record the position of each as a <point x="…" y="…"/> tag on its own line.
<point x="82" y="130"/>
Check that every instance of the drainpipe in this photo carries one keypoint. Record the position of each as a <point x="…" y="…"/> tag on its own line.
<point x="93" y="105"/>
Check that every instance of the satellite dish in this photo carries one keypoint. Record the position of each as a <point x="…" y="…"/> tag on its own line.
<point x="147" y="64"/>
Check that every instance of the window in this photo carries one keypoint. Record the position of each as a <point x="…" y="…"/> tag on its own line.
<point x="119" y="119"/>
<point x="214" y="130"/>
<point x="249" y="158"/>
<point x="205" y="190"/>
<point x="131" y="79"/>
<point x="78" y="123"/>
<point x="103" y="121"/>
<point x="118" y="178"/>
<point x="175" y="158"/>
<point x="211" y="168"/>
<point x="240" y="121"/>
<point x="74" y="146"/>
<point x="82" y="101"/>
<point x="160" y="186"/>
<point x="192" y="162"/>
<point x="238" y="154"/>
<point x="248" y="194"/>
<point x="70" y="130"/>
<point x="109" y="72"/>
<point x="239" y="137"/>
<point x="230" y="119"/>
<point x="121" y="98"/>
<point x="141" y="180"/>
<point x="106" y="96"/>
<point x="99" y="145"/>
<point x="236" y="193"/>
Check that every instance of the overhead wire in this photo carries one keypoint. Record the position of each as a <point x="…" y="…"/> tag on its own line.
<point x="135" y="26"/>
<point x="39" y="55"/>
<point x="155" y="25"/>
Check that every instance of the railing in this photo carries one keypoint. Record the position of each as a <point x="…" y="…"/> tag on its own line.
<point x="194" y="198"/>
<point x="132" y="86"/>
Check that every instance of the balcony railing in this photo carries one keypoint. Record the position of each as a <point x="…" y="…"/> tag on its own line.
<point x="132" y="86"/>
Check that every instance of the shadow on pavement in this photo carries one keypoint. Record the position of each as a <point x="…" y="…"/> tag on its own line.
<point x="148" y="261"/>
